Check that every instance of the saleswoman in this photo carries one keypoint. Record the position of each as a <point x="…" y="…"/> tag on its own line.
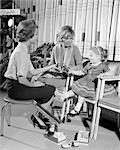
<point x="20" y="67"/>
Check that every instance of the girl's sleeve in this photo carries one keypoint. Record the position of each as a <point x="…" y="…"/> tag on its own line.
<point x="86" y="68"/>
<point x="105" y="67"/>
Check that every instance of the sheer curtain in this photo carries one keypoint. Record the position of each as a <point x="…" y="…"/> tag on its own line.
<point x="95" y="22"/>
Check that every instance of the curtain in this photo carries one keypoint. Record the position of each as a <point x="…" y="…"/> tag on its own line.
<point x="95" y="22"/>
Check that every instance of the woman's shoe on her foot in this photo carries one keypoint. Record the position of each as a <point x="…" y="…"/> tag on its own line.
<point x="36" y="123"/>
<point x="73" y="113"/>
<point x="43" y="118"/>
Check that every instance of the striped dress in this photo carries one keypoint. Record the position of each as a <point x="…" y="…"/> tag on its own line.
<point x="86" y="85"/>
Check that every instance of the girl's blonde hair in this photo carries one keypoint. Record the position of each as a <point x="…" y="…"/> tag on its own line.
<point x="100" y="51"/>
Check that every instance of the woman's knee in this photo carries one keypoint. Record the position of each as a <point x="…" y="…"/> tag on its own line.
<point x="51" y="89"/>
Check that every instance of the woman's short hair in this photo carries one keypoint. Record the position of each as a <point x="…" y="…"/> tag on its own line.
<point x="65" y="31"/>
<point x="26" y="30"/>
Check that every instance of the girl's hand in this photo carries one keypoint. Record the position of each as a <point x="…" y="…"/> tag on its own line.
<point x="53" y="66"/>
<point x="38" y="84"/>
<point x="104" y="74"/>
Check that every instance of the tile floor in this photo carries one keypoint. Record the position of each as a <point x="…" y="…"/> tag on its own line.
<point x="21" y="135"/>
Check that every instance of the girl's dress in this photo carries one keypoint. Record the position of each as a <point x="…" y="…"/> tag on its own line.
<point x="86" y="86"/>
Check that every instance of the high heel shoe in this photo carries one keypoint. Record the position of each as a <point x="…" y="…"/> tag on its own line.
<point x="36" y="123"/>
<point x="44" y="119"/>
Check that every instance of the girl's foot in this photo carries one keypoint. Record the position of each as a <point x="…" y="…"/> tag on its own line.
<point x="61" y="96"/>
<point x="74" y="113"/>
<point x="58" y="93"/>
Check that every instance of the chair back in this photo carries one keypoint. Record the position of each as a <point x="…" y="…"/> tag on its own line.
<point x="114" y="68"/>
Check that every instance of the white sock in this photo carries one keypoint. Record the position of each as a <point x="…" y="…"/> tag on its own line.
<point x="67" y="95"/>
<point x="79" y="104"/>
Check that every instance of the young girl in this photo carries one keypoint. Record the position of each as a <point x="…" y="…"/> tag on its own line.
<point x="65" y="53"/>
<point x="85" y="87"/>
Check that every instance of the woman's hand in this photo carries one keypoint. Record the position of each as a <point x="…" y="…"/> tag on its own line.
<point x="35" y="77"/>
<point x="38" y="84"/>
<point x="72" y="71"/>
<point x="104" y="74"/>
<point x="76" y="72"/>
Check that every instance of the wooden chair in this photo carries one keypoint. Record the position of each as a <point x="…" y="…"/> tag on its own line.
<point x="9" y="101"/>
<point x="112" y="76"/>
<point x="109" y="103"/>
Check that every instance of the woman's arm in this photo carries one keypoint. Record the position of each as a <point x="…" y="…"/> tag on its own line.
<point x="42" y="70"/>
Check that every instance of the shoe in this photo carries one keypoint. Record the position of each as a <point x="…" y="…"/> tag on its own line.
<point x="66" y="145"/>
<point x="73" y="113"/>
<point x="67" y="119"/>
<point x="70" y="144"/>
<point x="44" y="119"/>
<point x="36" y="123"/>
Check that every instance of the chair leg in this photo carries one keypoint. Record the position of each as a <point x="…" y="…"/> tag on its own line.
<point x="97" y="123"/>
<point x="63" y="111"/>
<point x="90" y="111"/>
<point x="118" y="121"/>
<point x="93" y="121"/>
<point x="9" y="114"/>
<point x="2" y="118"/>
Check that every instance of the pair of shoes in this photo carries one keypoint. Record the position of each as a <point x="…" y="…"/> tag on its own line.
<point x="36" y="123"/>
<point x="73" y="113"/>
<point x="70" y="144"/>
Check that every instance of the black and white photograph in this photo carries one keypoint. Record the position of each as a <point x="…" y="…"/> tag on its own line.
<point x="59" y="74"/>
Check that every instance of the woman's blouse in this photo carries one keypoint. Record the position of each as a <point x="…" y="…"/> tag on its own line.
<point x="19" y="63"/>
